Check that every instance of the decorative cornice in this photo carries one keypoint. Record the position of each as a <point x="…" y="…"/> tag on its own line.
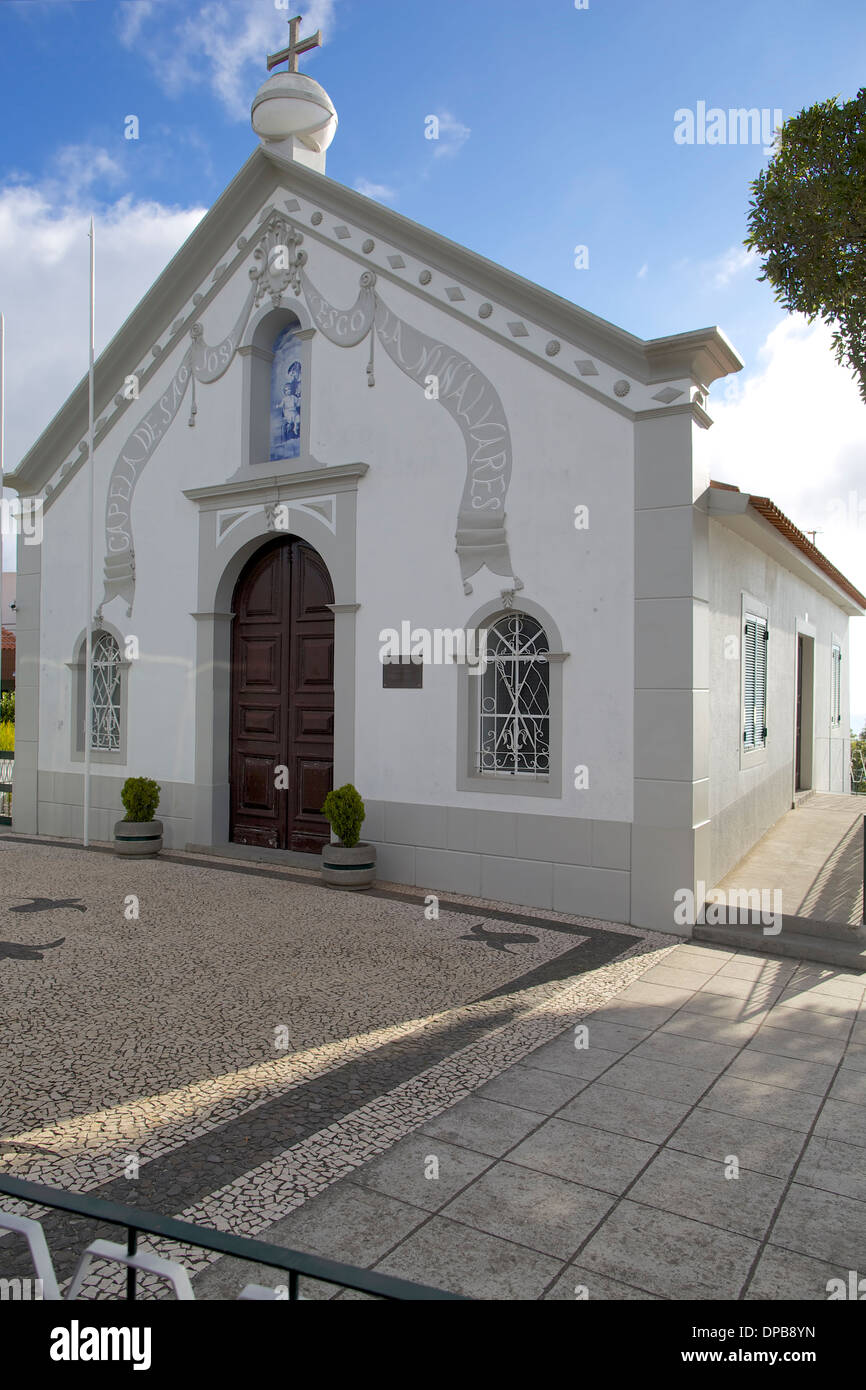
<point x="340" y="478"/>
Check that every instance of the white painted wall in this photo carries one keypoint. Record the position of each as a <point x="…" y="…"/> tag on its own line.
<point x="745" y="803"/>
<point x="568" y="450"/>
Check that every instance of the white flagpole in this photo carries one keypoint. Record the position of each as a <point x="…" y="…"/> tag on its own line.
<point x="88" y="660"/>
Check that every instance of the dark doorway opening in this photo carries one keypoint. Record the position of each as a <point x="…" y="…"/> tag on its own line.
<point x="282" y="720"/>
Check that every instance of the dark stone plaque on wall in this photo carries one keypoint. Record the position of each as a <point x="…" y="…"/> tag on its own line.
<point x="407" y="674"/>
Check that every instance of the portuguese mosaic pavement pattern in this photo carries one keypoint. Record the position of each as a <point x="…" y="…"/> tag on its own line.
<point x="249" y="1037"/>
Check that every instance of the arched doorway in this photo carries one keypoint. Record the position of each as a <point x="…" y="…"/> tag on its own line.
<point x="282" y="693"/>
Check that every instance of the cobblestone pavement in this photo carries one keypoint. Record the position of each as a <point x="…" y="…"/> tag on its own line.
<point x="243" y="1037"/>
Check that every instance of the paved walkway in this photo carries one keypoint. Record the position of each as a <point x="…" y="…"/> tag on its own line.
<point x="609" y="1171"/>
<point x="815" y="856"/>
<point x="438" y="1112"/>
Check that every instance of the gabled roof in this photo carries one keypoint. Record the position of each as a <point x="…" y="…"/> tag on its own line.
<point x="783" y="524"/>
<point x="703" y="355"/>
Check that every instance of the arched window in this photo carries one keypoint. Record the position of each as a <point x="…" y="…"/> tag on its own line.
<point x="109" y="696"/>
<point x="514" y="700"/>
<point x="286" y="396"/>
<point x="105" y="723"/>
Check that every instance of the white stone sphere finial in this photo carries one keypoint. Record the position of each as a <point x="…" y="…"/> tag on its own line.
<point x="291" y="111"/>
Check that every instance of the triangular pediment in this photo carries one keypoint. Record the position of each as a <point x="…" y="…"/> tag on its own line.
<point x="630" y="375"/>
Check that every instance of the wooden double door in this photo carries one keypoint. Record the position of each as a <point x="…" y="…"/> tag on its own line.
<point x="282" y="728"/>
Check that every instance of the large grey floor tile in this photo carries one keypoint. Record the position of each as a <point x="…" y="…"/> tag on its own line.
<point x="819" y="1002"/>
<point x="403" y="1171"/>
<point x="631" y="1015"/>
<point x="347" y="1223"/>
<point x="855" y="1058"/>
<point x="659" y="1079"/>
<point x="760" y="1147"/>
<point x="657" y="996"/>
<point x="580" y="1154"/>
<point x="535" y="1209"/>
<point x="561" y="1055"/>
<point x="612" y="1037"/>
<point x="850" y="1086"/>
<point x="791" y="1073"/>
<point x="669" y="1255"/>
<point x="806" y="1046"/>
<point x="698" y="1188"/>
<point x="822" y="1225"/>
<point x="532" y="1088"/>
<point x="758" y="968"/>
<point x="682" y="1051"/>
<point x="727" y="1006"/>
<point x="483" y="1125"/>
<point x="678" y="977"/>
<point x="839" y="1120"/>
<point x="447" y="1255"/>
<point x="782" y="1275"/>
<point x="834" y="1166"/>
<point x="752" y="1100"/>
<point x="808" y="1021"/>
<point x="651" y="1118"/>
<point x="755" y="993"/>
<point x="581" y="1284"/>
<point x="709" y="1029"/>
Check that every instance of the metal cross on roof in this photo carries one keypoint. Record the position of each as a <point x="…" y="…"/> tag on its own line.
<point x="295" y="47"/>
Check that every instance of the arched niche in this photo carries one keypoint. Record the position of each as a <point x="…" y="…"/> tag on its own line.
<point x="287" y="330"/>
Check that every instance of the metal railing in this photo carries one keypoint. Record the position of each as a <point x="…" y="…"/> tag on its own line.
<point x="7" y="764"/>
<point x="294" y="1262"/>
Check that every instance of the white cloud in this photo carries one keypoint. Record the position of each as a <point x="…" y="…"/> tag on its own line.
<point x="731" y="263"/>
<point x="794" y="430"/>
<point x="641" y="275"/>
<point x="44" y="289"/>
<point x="223" y="45"/>
<point x="380" y="191"/>
<point x="452" y="135"/>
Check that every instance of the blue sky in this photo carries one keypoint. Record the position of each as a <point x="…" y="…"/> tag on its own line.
<point x="557" y="131"/>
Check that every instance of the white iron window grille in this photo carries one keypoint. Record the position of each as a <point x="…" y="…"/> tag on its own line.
<point x="105" y="720"/>
<point x="514" y="723"/>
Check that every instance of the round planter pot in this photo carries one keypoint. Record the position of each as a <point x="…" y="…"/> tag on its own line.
<point x="353" y="868"/>
<point x="137" y="837"/>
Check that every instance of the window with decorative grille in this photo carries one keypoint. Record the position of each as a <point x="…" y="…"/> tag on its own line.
<point x="755" y="643"/>
<point x="105" y="718"/>
<point x="514" y="706"/>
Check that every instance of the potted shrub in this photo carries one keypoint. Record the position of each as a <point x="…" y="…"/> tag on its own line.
<point x="139" y="833"/>
<point x="350" y="863"/>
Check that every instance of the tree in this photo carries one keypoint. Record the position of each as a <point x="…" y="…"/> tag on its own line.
<point x="858" y="762"/>
<point x="807" y="219"/>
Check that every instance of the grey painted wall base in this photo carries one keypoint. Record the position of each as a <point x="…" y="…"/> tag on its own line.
<point x="60" y="812"/>
<point x="554" y="862"/>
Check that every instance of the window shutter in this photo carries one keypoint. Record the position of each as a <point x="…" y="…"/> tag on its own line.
<point x="762" y="638"/>
<point x="755" y="683"/>
<point x="749" y="684"/>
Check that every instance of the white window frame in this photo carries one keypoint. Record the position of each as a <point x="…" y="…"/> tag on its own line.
<point x="836" y="684"/>
<point x="469" y="778"/>
<point x="77" y="669"/>
<point x="755" y="615"/>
